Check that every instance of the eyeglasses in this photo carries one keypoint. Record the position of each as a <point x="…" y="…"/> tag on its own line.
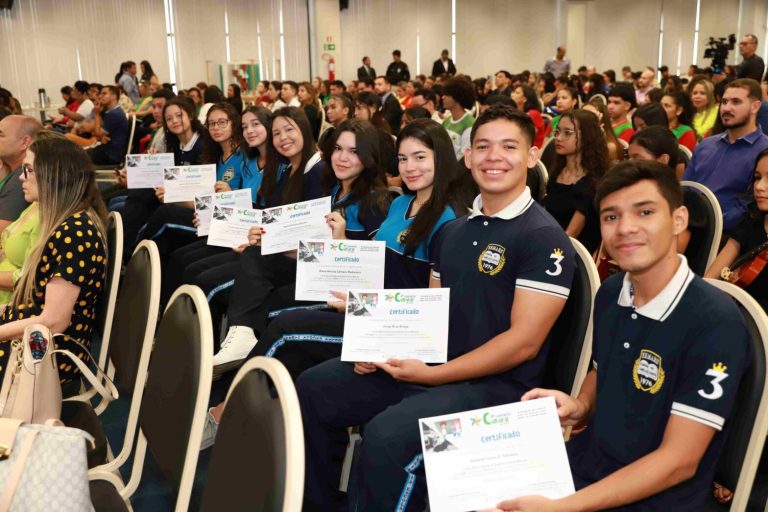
<point x="221" y="123"/>
<point x="27" y="171"/>
<point x="564" y="134"/>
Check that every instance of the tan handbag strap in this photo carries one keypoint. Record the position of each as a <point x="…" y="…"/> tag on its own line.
<point x="8" y="429"/>
<point x="12" y="481"/>
<point x="108" y="393"/>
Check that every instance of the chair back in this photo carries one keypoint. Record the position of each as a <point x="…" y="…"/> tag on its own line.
<point x="601" y="97"/>
<point x="571" y="337"/>
<point x="548" y="154"/>
<point x="136" y="313"/>
<point x="258" y="459"/>
<point x="685" y="155"/>
<point x="705" y="222"/>
<point x="106" y="309"/>
<point x="748" y="424"/>
<point x="131" y="133"/>
<point x="178" y="387"/>
<point x="537" y="180"/>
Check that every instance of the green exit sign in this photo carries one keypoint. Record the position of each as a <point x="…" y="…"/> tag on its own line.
<point x="329" y="47"/>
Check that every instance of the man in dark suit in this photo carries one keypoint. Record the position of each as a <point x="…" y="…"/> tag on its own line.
<point x="397" y="71"/>
<point x="443" y="65"/>
<point x="366" y="71"/>
<point x="390" y="107"/>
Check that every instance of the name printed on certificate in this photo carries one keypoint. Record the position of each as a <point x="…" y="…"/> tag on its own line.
<point x="185" y="183"/>
<point x="146" y="171"/>
<point x="339" y="265"/>
<point x="230" y="225"/>
<point x="399" y="324"/>
<point x="204" y="206"/>
<point x="285" y="225"/>
<point x="475" y="459"/>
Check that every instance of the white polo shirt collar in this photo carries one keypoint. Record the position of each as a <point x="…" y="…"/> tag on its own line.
<point x="512" y="210"/>
<point x="663" y="304"/>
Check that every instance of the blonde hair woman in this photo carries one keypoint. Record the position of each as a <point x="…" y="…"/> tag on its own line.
<point x="62" y="280"/>
<point x="702" y="92"/>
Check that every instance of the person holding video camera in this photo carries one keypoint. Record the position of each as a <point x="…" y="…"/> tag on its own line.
<point x="752" y="66"/>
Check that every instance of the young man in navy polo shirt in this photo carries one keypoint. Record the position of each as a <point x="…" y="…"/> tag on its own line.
<point x="668" y="354"/>
<point x="509" y="267"/>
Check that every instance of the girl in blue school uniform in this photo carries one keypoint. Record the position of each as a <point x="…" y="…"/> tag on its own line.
<point x="256" y="125"/>
<point x="302" y="337"/>
<point x="171" y="225"/>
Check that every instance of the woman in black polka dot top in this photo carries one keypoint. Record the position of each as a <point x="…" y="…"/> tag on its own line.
<point x="64" y="275"/>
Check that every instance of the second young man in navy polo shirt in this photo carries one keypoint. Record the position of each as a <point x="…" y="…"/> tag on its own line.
<point x="669" y="351"/>
<point x="509" y="267"/>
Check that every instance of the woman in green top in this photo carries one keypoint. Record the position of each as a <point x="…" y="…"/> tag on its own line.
<point x="702" y="92"/>
<point x="567" y="101"/>
<point x="15" y="244"/>
<point x="144" y="107"/>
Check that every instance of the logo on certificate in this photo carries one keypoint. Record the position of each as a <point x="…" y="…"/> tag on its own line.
<point x="647" y="372"/>
<point x="491" y="260"/>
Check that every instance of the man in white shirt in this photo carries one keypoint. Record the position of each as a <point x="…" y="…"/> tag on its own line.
<point x="289" y="94"/>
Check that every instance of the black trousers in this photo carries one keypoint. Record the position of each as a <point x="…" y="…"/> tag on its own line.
<point x="170" y="226"/>
<point x="257" y="278"/>
<point x="140" y="204"/>
<point x="301" y="338"/>
<point x="185" y="258"/>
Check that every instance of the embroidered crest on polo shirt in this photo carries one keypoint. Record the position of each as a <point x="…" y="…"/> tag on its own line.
<point x="558" y="256"/>
<point x="228" y="174"/>
<point x="492" y="259"/>
<point x="648" y="372"/>
<point x="717" y="372"/>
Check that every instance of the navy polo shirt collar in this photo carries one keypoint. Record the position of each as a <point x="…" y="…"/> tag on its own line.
<point x="512" y="210"/>
<point x="663" y="304"/>
<point x="750" y="138"/>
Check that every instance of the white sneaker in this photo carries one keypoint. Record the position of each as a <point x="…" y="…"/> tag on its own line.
<point x="209" y="431"/>
<point x="234" y="349"/>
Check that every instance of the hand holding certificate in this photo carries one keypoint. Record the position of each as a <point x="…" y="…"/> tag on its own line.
<point x="399" y="324"/>
<point x="146" y="171"/>
<point x="185" y="183"/>
<point x="476" y="459"/>
<point x="204" y="206"/>
<point x="286" y="225"/>
<point x="340" y="265"/>
<point x="229" y="226"/>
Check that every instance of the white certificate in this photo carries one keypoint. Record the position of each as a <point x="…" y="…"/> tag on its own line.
<point x="146" y="171"/>
<point x="476" y="459"/>
<point x="400" y="324"/>
<point x="185" y="183"/>
<point x="229" y="225"/>
<point x="285" y="225"/>
<point x="204" y="206"/>
<point x="339" y="265"/>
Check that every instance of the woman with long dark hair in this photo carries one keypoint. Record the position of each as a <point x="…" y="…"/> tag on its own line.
<point x="148" y="74"/>
<point x="293" y="172"/>
<point x="582" y="160"/>
<point x="600" y="109"/>
<point x="680" y="112"/>
<point x="189" y="142"/>
<point x="527" y="100"/>
<point x="190" y="261"/>
<point x="64" y="276"/>
<point x="307" y="95"/>
<point x="234" y="97"/>
<point x="427" y="163"/>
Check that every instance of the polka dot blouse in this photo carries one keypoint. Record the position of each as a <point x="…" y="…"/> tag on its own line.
<point x="77" y="253"/>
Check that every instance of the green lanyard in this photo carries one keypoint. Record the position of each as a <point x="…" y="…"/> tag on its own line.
<point x="5" y="180"/>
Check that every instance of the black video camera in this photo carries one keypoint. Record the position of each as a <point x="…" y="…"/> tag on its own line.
<point x="718" y="50"/>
